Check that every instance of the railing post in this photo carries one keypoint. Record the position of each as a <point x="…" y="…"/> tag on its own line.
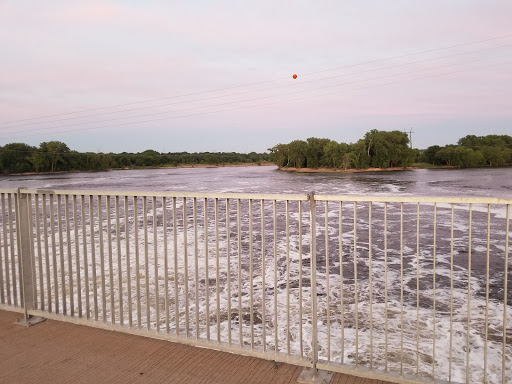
<point x="26" y="254"/>
<point x="314" y="328"/>
<point x="313" y="375"/>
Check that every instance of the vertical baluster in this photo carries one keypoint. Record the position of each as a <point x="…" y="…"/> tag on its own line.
<point x="93" y="257"/>
<point x="196" y="268"/>
<point x="2" y="289"/>
<point x="434" y="295"/>
<point x="301" y="342"/>
<point x="6" y="254"/>
<point x="340" y="247"/>
<point x="487" y="289"/>
<point x="175" y="244"/>
<point x="69" y="253"/>
<point x="206" y="280"/>
<point x="47" y="258"/>
<point x="40" y="256"/>
<point x="276" y="340"/>
<point x="86" y="262"/>
<point x="128" y="261"/>
<point x="386" y="285"/>
<point x="13" y="261"/>
<point x="102" y="259"/>
<point x="263" y="321"/>
<point x="155" y="260"/>
<point x="146" y="261"/>
<point x="54" y="256"/>
<point x="239" y="238"/>
<point x="370" y="287"/>
<point x="314" y="296"/>
<point x="33" y="263"/>
<point x="327" y="288"/>
<point x="418" y="290"/>
<point x="119" y="263"/>
<point x="228" y="255"/>
<point x="505" y="303"/>
<point x="18" y="249"/>
<point x="12" y="218"/>
<point x="287" y="215"/>
<point x="77" y="253"/>
<point x="251" y="288"/>
<point x="166" y="263"/>
<point x="137" y="258"/>
<point x="185" y="265"/>
<point x="110" y="263"/>
<point x="468" y="325"/>
<point x="401" y="289"/>
<point x="451" y="298"/>
<point x="61" y="255"/>
<point x="355" y="284"/>
<point x="217" y="267"/>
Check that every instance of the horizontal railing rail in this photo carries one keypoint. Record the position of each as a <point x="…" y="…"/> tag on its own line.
<point x="402" y="288"/>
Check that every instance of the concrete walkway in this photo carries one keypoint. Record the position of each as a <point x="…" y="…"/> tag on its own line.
<point x="57" y="352"/>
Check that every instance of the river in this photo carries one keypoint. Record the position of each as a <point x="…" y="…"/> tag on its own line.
<point x="415" y="321"/>
<point x="484" y="182"/>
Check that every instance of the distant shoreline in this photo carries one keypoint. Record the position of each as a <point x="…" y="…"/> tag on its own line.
<point x="350" y="170"/>
<point x="373" y="169"/>
<point x="139" y="168"/>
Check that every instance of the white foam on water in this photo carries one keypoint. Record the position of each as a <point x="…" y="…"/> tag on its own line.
<point x="402" y="342"/>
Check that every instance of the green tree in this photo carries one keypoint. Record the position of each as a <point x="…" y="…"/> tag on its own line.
<point x="279" y="155"/>
<point x="315" y="151"/>
<point x="333" y="154"/>
<point x="54" y="152"/>
<point x="359" y="155"/>
<point x="345" y="161"/>
<point x="429" y="155"/>
<point x="297" y="153"/>
<point x="38" y="161"/>
<point x="15" y="157"/>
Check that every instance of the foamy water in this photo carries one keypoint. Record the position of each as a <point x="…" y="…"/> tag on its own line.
<point x="411" y="343"/>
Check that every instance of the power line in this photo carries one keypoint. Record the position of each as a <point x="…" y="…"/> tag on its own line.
<point x="251" y="91"/>
<point x="245" y="100"/>
<point x="263" y="82"/>
<point x="245" y="107"/>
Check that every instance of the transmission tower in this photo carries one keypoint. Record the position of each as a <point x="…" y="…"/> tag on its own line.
<point x="410" y="136"/>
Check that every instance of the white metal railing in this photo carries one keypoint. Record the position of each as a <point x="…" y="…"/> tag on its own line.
<point x="399" y="288"/>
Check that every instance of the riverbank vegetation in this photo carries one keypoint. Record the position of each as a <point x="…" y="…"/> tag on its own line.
<point x="390" y="149"/>
<point x="376" y="150"/>
<point x="55" y="156"/>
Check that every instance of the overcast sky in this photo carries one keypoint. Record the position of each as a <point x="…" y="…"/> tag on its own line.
<point x="217" y="75"/>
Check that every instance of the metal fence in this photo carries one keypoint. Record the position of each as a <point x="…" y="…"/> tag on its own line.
<point x="399" y="288"/>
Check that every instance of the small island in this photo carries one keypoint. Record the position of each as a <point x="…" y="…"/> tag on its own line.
<point x="389" y="151"/>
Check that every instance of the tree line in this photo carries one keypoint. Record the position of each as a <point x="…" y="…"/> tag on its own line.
<point x="56" y="156"/>
<point x="386" y="149"/>
<point x="472" y="151"/>
<point x="380" y="149"/>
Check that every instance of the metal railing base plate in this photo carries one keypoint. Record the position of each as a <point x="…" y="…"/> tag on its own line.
<point x="308" y="375"/>
<point x="32" y="320"/>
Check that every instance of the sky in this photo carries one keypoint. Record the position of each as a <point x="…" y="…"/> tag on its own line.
<point x="116" y="76"/>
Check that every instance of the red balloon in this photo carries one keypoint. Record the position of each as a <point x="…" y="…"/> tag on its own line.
<point x="294" y="76"/>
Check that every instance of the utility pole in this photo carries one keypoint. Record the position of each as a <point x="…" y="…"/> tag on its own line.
<point x="410" y="136"/>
